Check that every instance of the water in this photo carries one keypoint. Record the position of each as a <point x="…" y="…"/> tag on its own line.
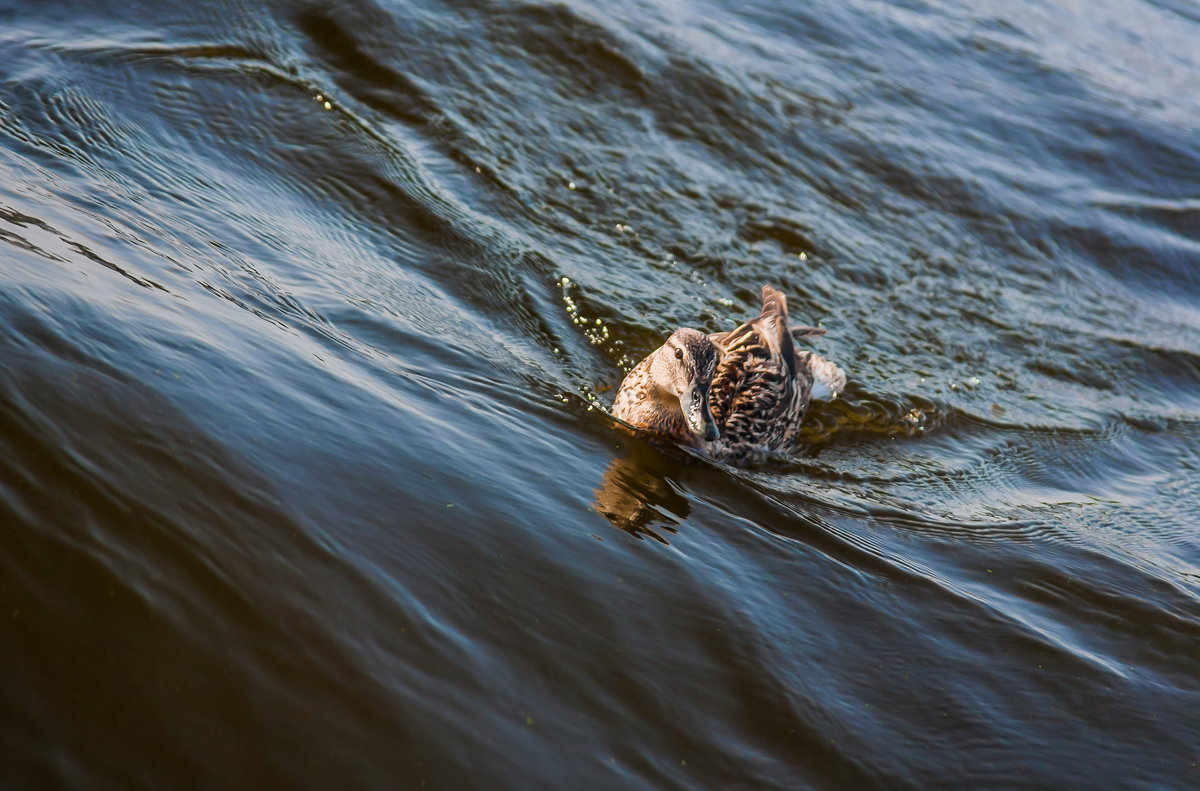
<point x="309" y="312"/>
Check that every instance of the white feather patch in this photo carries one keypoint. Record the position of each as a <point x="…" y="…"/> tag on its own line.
<point x="828" y="378"/>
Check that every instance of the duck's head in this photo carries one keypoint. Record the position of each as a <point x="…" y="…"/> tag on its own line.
<point x="684" y="367"/>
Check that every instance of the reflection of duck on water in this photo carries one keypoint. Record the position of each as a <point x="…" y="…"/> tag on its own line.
<point x="732" y="395"/>
<point x="637" y="497"/>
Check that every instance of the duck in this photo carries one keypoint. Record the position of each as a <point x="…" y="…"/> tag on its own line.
<point x="735" y="396"/>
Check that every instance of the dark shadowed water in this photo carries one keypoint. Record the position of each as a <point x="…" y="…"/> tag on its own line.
<point x="309" y="311"/>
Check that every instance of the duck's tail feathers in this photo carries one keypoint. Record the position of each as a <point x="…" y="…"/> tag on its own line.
<point x="774" y="303"/>
<point x="772" y="325"/>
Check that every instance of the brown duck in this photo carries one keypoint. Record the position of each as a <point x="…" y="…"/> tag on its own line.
<point x="734" y="395"/>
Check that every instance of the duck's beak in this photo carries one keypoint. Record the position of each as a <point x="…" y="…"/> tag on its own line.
<point x="694" y="402"/>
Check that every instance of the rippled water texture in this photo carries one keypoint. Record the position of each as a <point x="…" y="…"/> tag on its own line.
<point x="309" y="312"/>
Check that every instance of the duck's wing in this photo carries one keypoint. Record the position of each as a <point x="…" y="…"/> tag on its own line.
<point x="800" y="333"/>
<point x="758" y="393"/>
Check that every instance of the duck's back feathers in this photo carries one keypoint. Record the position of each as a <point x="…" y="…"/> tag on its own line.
<point x="759" y="394"/>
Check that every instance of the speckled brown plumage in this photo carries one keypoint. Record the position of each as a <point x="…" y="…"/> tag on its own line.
<point x="754" y="384"/>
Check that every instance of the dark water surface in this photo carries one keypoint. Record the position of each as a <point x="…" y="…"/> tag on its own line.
<point x="305" y="308"/>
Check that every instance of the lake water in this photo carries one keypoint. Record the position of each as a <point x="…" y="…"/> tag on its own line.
<point x="309" y="312"/>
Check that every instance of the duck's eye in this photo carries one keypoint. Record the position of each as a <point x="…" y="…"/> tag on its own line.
<point x="679" y="354"/>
